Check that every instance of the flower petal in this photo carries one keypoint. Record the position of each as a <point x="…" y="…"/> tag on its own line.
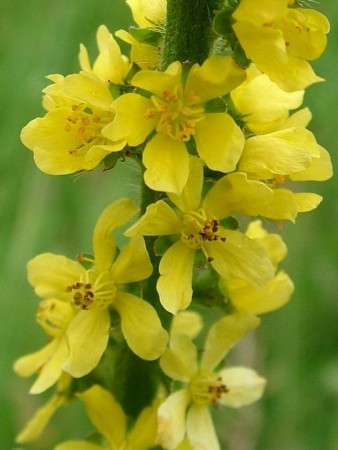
<point x="158" y="220"/>
<point x="272" y="296"/>
<point x="133" y="263"/>
<point x="200" y="428"/>
<point x="167" y="164"/>
<point x="114" y="216"/>
<point x="87" y="337"/>
<point x="105" y="413"/>
<point x="50" y="275"/>
<point x="130" y="122"/>
<point x="245" y="386"/>
<point x="219" y="142"/>
<point x="217" y="76"/>
<point x="174" y="284"/>
<point x="240" y="257"/>
<point x="141" y="326"/>
<point x="223" y="335"/>
<point x="143" y="435"/>
<point x="190" y="197"/>
<point x="189" y="323"/>
<point x="179" y="361"/>
<point x="234" y="194"/>
<point x="78" y="445"/>
<point x="159" y="82"/>
<point x="171" y="419"/>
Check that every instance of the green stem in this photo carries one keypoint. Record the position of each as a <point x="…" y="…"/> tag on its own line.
<point x="189" y="34"/>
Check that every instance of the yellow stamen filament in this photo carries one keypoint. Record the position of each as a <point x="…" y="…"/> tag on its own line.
<point x="198" y="228"/>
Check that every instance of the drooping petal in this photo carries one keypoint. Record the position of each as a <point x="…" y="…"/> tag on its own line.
<point x="320" y="169"/>
<point x="236" y="194"/>
<point x="115" y="215"/>
<point x="245" y="386"/>
<point x="240" y="257"/>
<point x="141" y="326"/>
<point x="179" y="361"/>
<point x="270" y="297"/>
<point x="171" y="419"/>
<point x="189" y="323"/>
<point x="133" y="263"/>
<point x="52" y="368"/>
<point x="307" y="201"/>
<point x="105" y="413"/>
<point x="217" y="76"/>
<point x="40" y="419"/>
<point x="200" y="428"/>
<point x="283" y="207"/>
<point x="143" y="435"/>
<point x="219" y="142"/>
<point x="78" y="445"/>
<point x="223" y="335"/>
<point x="159" y="82"/>
<point x="167" y="164"/>
<point x="174" y="284"/>
<point x="190" y="197"/>
<point x="50" y="275"/>
<point x="29" y="364"/>
<point x="130" y="122"/>
<point x="87" y="337"/>
<point x="158" y="220"/>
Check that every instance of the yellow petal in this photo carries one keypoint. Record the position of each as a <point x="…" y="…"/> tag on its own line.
<point x="179" y="361"/>
<point x="245" y="386"/>
<point x="29" y="364"/>
<point x="190" y="197"/>
<point x="78" y="445"/>
<point x="270" y="297"/>
<point x="258" y="12"/>
<point x="50" y="275"/>
<point x="87" y="337"/>
<point x="51" y="370"/>
<point x="223" y="335"/>
<point x="307" y="201"/>
<point x="240" y="257"/>
<point x="114" y="216"/>
<point x="133" y="263"/>
<point x="167" y="164"/>
<point x="158" y="220"/>
<point x="159" y="82"/>
<point x="283" y="207"/>
<point x="217" y="76"/>
<point x="174" y="284"/>
<point x="189" y="323"/>
<point x="40" y="419"/>
<point x="171" y="419"/>
<point x="234" y="194"/>
<point x="141" y="326"/>
<point x="200" y="428"/>
<point x="105" y="413"/>
<point x="320" y="169"/>
<point x="219" y="142"/>
<point x="130" y="122"/>
<point x="143" y="435"/>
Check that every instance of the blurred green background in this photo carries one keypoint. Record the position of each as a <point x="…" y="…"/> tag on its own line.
<point x="296" y="348"/>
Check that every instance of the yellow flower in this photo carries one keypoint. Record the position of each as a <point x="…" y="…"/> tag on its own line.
<point x="197" y="226"/>
<point x="288" y="154"/>
<point x="110" y="65"/>
<point x="94" y="291"/>
<point x="54" y="316"/>
<point x="280" y="40"/>
<point x="69" y="137"/>
<point x="178" y="113"/>
<point x="186" y="411"/>
<point x="275" y="293"/>
<point x="40" y="419"/>
<point x="111" y="421"/>
<point x="147" y="13"/>
<point x="262" y="104"/>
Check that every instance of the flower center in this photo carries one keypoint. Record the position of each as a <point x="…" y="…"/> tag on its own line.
<point x="85" y="126"/>
<point x="198" y="228"/>
<point x="177" y="115"/>
<point x="93" y="291"/>
<point x="207" y="388"/>
<point x="54" y="316"/>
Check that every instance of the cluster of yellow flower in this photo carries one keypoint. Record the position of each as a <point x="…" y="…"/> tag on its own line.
<point x="215" y="140"/>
